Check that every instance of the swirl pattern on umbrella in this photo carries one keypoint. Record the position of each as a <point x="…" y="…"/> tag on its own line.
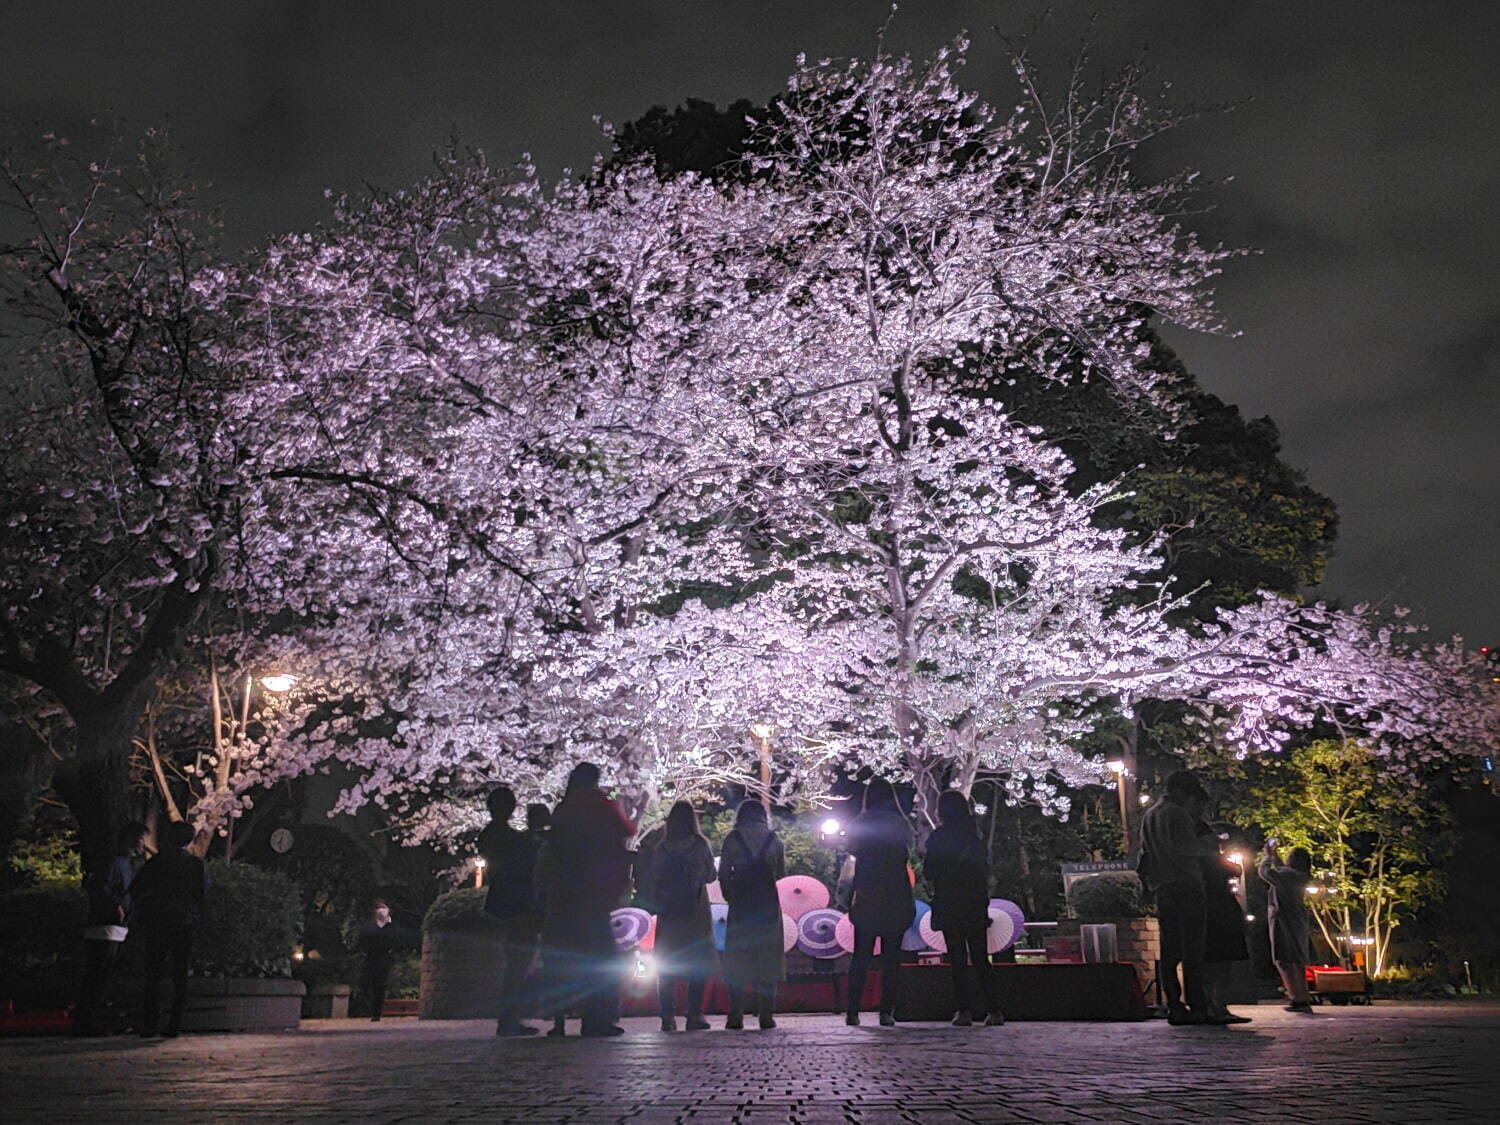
<point x="817" y="933"/>
<point x="629" y="926"/>
<point x="914" y="940"/>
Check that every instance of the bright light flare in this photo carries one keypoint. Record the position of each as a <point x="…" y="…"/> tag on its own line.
<point x="1116" y="766"/>
<point x="278" y="682"/>
<point x="830" y="827"/>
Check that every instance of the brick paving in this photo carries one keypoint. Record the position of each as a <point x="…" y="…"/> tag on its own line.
<point x="1392" y="1062"/>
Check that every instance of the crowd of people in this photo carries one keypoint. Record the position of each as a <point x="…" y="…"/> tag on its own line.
<point x="1201" y="918"/>
<point x="554" y="886"/>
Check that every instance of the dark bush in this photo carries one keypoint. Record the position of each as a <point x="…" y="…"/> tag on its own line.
<point x="41" y="929"/>
<point x="1114" y="894"/>
<point x="251" y="921"/>
<point x="461" y="910"/>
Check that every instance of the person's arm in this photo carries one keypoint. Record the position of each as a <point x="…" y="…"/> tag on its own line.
<point x="778" y="858"/>
<point x="706" y="872"/>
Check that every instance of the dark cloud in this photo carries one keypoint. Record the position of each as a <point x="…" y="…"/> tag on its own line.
<point x="1362" y="159"/>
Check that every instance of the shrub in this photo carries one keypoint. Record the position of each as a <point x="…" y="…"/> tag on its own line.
<point x="251" y="921"/>
<point x="1113" y="894"/>
<point x="459" y="911"/>
<point x="41" y="928"/>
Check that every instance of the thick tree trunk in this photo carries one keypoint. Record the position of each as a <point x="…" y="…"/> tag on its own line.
<point x="94" y="781"/>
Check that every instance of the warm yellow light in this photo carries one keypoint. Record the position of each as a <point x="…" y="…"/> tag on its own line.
<point x="1115" y="765"/>
<point x="1236" y="857"/>
<point x="480" y="862"/>
<point x="762" y="731"/>
<point x="278" y="681"/>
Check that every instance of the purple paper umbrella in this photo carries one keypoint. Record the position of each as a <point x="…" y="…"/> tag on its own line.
<point x="630" y="926"/>
<point x="1007" y="924"/>
<point x="914" y="940"/>
<point x="817" y="933"/>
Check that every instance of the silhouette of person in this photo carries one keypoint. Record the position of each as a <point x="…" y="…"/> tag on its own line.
<point x="106" y="928"/>
<point x="882" y="904"/>
<point x="1288" y="919"/>
<point x="957" y="867"/>
<point x="682" y="866"/>
<point x="167" y="899"/>
<point x="754" y="954"/>
<point x="511" y="857"/>
<point x="1172" y="859"/>
<point x="379" y="938"/>
<point x="1224" y="931"/>
<point x="586" y="870"/>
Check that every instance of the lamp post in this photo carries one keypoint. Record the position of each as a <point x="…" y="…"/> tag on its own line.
<point x="479" y="866"/>
<point x="1117" y="767"/>
<point x="763" y="733"/>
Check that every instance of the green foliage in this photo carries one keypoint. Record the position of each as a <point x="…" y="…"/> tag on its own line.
<point x="40" y="928"/>
<point x="251" y="921"/>
<point x="806" y="854"/>
<point x="1377" y="842"/>
<point x="405" y="981"/>
<point x="460" y="911"/>
<point x="1114" y="894"/>
<point x="49" y="862"/>
<point x="1423" y="983"/>
<point x="336" y="881"/>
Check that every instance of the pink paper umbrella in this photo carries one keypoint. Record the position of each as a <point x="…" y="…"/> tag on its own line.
<point x="648" y="943"/>
<point x="933" y="938"/>
<point x="1007" y="924"/>
<point x="630" y="925"/>
<point x="799" y="894"/>
<point x="788" y="933"/>
<point x="817" y="933"/>
<point x="846" y="935"/>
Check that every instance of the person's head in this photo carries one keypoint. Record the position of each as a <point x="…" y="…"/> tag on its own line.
<point x="538" y="817"/>
<point x="132" y="838"/>
<point x="953" y="809"/>
<point x="180" y="834"/>
<point x="751" y="811"/>
<point x="585" y="776"/>
<point x="682" y="822"/>
<point x="879" y="794"/>
<point x="1183" y="786"/>
<point x="380" y="910"/>
<point x="501" y="803"/>
<point x="1298" y="859"/>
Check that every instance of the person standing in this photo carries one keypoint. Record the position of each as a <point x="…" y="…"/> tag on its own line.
<point x="510" y="862"/>
<point x="1172" y="858"/>
<point x="682" y="866"/>
<point x="1224" y="932"/>
<point x="754" y="951"/>
<point x="881" y="906"/>
<point x="587" y="870"/>
<point x="379" y="938"/>
<point x="167" y="899"/>
<point x="958" y="869"/>
<point x="106" y="928"/>
<point x="1289" y="920"/>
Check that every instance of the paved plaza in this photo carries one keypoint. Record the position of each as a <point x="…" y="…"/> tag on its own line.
<point x="1392" y="1062"/>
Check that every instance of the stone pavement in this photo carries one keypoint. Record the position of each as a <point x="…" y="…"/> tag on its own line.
<point x="1392" y="1062"/>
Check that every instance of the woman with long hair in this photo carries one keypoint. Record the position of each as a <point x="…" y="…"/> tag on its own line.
<point x="682" y="866"/>
<point x="882" y="905"/>
<point x="754" y="957"/>
<point x="958" y="870"/>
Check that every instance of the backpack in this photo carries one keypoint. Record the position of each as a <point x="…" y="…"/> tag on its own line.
<point x="752" y="893"/>
<point x="676" y="888"/>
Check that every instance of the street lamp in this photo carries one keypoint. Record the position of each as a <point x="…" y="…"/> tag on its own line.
<point x="1117" y="767"/>
<point x="278" y="682"/>
<point x="479" y="865"/>
<point x="763" y="733"/>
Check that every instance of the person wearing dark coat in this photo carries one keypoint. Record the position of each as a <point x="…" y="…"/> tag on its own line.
<point x="106" y="928"/>
<point x="958" y="870"/>
<point x="1171" y="864"/>
<point x="585" y="871"/>
<point x="881" y="906"/>
<point x="167" y="898"/>
<point x="379" y="940"/>
<point x="510" y="864"/>
<point x="751" y="861"/>
<point x="1224" y="932"/>
<point x="681" y="868"/>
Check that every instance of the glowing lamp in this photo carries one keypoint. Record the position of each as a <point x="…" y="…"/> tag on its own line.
<point x="763" y="731"/>
<point x="830" y="827"/>
<point x="1116" y="765"/>
<point x="481" y="862"/>
<point x="1236" y="857"/>
<point x="278" y="682"/>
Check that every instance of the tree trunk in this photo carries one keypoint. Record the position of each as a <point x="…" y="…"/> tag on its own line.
<point x="94" y="781"/>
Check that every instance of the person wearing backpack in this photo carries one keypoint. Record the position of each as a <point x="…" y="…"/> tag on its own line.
<point x="958" y="870"/>
<point x="882" y="905"/>
<point x="682" y="866"/>
<point x="754" y="954"/>
<point x="510" y="862"/>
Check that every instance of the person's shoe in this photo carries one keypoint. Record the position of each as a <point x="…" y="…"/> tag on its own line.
<point x="767" y="1023"/>
<point x="1186" y="1017"/>
<point x="514" y="1030"/>
<point x="375" y="1018"/>
<point x="170" y="1033"/>
<point x="887" y="1019"/>
<point x="962" y="1019"/>
<point x="1306" y="1009"/>
<point x="696" y="1023"/>
<point x="852" y="1019"/>
<point x="1227" y="1018"/>
<point x="735" y="1021"/>
<point x="995" y="1019"/>
<point x="559" y="1030"/>
<point x="669" y="1023"/>
<point x="608" y="1031"/>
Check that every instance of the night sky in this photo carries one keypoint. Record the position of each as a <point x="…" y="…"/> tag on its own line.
<point x="1365" y="165"/>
